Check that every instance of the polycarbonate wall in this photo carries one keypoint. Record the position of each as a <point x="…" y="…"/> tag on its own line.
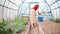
<point x="10" y="8"/>
<point x="44" y="6"/>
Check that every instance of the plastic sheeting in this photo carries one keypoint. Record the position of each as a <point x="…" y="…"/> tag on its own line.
<point x="10" y="8"/>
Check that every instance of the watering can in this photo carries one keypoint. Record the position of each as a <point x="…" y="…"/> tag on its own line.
<point x="40" y="18"/>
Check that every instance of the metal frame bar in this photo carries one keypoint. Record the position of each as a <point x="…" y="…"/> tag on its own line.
<point x="25" y="10"/>
<point x="33" y="2"/>
<point x="54" y="2"/>
<point x="56" y="8"/>
<point x="6" y="11"/>
<point x="8" y="7"/>
<point x="19" y="9"/>
<point x="49" y="7"/>
<point x="12" y="3"/>
<point x="3" y="10"/>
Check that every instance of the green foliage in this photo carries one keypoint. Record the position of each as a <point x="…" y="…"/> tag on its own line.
<point x="5" y="32"/>
<point x="51" y="19"/>
<point x="16" y="25"/>
<point x="2" y="28"/>
<point x="2" y="25"/>
<point x="25" y="21"/>
<point x="57" y="20"/>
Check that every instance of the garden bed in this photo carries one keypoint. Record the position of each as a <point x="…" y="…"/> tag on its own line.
<point x="13" y="26"/>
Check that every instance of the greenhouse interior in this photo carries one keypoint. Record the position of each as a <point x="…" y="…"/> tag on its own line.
<point x="29" y="16"/>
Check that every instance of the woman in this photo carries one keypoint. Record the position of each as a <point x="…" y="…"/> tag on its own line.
<point x="33" y="15"/>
